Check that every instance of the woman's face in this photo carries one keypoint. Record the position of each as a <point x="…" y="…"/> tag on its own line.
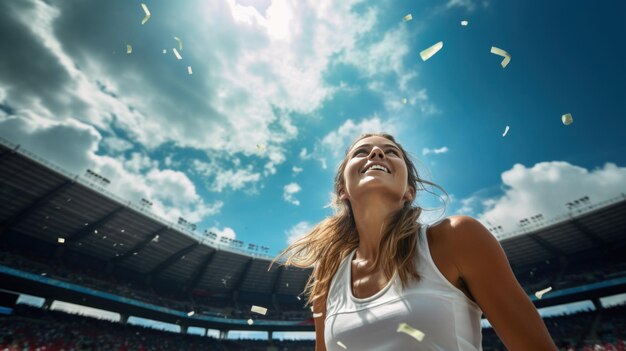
<point x="375" y="164"/>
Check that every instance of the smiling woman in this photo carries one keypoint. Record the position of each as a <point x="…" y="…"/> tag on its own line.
<point x="378" y="271"/>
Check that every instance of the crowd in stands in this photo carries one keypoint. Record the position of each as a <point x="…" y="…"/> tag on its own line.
<point x="561" y="276"/>
<point x="549" y="273"/>
<point x="109" y="283"/>
<point x="36" y="329"/>
<point x="589" y="330"/>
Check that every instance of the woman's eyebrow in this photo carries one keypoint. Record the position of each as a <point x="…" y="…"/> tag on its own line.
<point x="368" y="145"/>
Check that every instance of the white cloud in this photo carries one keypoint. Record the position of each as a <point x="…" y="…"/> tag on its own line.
<point x="469" y="5"/>
<point x="258" y="69"/>
<point x="297" y="231"/>
<point x="72" y="145"/>
<point x="223" y="178"/>
<point x="336" y="142"/>
<point x="545" y="188"/>
<point x="225" y="232"/>
<point x="441" y="150"/>
<point x="382" y="57"/>
<point x="304" y="154"/>
<point x="234" y="179"/>
<point x="289" y="191"/>
<point x="117" y="144"/>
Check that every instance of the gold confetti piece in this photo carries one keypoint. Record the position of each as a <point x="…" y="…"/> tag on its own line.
<point x="165" y="51"/>
<point x="404" y="101"/>
<point x="260" y="147"/>
<point x="259" y="309"/>
<point x="407" y="18"/>
<point x="129" y="49"/>
<point x="250" y="321"/>
<point x="177" y="54"/>
<point x="500" y="52"/>
<point x="191" y="313"/>
<point x="61" y="240"/>
<point x="317" y="315"/>
<point x="506" y="130"/>
<point x="147" y="17"/>
<point x="189" y="70"/>
<point x="341" y="344"/>
<point x="407" y="329"/>
<point x="540" y="293"/>
<point x="464" y="23"/>
<point x="567" y="119"/>
<point x="428" y="53"/>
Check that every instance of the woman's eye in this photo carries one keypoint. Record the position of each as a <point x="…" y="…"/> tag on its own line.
<point x="393" y="151"/>
<point x="360" y="151"/>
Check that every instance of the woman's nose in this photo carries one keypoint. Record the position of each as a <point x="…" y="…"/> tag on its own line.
<point x="376" y="152"/>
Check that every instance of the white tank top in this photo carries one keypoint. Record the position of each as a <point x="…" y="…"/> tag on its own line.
<point x="448" y="319"/>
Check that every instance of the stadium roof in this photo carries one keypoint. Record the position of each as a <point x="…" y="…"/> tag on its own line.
<point x="44" y="202"/>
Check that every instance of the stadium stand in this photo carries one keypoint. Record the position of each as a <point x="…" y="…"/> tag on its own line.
<point x="30" y="328"/>
<point x="64" y="237"/>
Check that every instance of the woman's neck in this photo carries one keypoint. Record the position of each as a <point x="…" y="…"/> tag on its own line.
<point x="370" y="217"/>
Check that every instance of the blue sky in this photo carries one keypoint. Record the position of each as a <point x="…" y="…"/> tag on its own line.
<point x="247" y="145"/>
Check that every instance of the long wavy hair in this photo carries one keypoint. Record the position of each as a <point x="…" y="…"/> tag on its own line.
<point x="331" y="240"/>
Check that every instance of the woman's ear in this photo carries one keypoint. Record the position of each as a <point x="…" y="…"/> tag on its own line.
<point x="409" y="195"/>
<point x="343" y="195"/>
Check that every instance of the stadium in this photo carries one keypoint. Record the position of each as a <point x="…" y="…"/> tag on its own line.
<point x="64" y="238"/>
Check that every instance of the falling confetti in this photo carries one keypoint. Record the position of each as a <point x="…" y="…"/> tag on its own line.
<point x="191" y="313"/>
<point x="404" y="101"/>
<point x="61" y="240"/>
<point x="177" y="54"/>
<point x="260" y="147"/>
<point x="147" y="17"/>
<point x="506" y="130"/>
<point x="500" y="52"/>
<point x="407" y="18"/>
<point x="129" y="49"/>
<point x="464" y="23"/>
<point x="259" y="310"/>
<point x="567" y="119"/>
<point x="164" y="51"/>
<point x="299" y="298"/>
<point x="428" y="53"/>
<point x="407" y="329"/>
<point x="189" y="70"/>
<point x="341" y="344"/>
<point x="317" y="315"/>
<point x="250" y="321"/>
<point x="540" y="293"/>
<point x="180" y="43"/>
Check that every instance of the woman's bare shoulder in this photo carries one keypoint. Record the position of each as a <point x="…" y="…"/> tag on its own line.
<point x="455" y="225"/>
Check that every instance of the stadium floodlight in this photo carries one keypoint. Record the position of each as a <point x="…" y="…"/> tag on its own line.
<point x="578" y="202"/>
<point x="145" y="202"/>
<point x="100" y="180"/>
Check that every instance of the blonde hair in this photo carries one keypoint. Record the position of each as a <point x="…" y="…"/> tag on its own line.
<point x="331" y="240"/>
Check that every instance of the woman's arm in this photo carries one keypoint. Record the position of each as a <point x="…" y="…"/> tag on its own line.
<point x="483" y="266"/>
<point x="320" y="343"/>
